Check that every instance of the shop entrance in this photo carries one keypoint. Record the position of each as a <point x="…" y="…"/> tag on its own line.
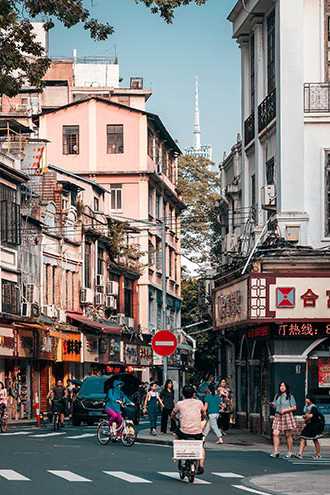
<point x="318" y="378"/>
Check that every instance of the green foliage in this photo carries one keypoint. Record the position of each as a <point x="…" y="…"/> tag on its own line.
<point x="200" y="189"/>
<point x="22" y="58"/>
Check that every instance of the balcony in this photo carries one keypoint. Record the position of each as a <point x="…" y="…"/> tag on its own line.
<point x="267" y="111"/>
<point x="317" y="97"/>
<point x="249" y="131"/>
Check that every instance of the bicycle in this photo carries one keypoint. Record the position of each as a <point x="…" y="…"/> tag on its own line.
<point x="3" y="419"/>
<point x="125" y="432"/>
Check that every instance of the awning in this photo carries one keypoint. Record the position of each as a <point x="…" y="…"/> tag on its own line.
<point x="92" y="324"/>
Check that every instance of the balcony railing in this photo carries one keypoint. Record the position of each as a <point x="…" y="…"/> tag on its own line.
<point x="317" y="97"/>
<point x="267" y="111"/>
<point x="249" y="131"/>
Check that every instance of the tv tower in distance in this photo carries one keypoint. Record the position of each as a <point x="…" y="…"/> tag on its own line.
<point x="198" y="150"/>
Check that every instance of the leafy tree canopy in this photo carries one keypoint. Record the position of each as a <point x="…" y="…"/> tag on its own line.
<point x="22" y="58"/>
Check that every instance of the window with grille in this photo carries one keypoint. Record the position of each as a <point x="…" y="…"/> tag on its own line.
<point x="10" y="301"/>
<point x="116" y="196"/>
<point x="87" y="264"/>
<point x="10" y="217"/>
<point x="252" y="73"/>
<point x="70" y="139"/>
<point x="271" y="52"/>
<point x="115" y="139"/>
<point x="128" y="297"/>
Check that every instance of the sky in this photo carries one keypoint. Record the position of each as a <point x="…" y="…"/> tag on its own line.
<point x="168" y="57"/>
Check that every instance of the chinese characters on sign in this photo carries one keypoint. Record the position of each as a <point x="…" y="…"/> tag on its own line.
<point x="303" y="330"/>
<point x="71" y="347"/>
<point x="230" y="304"/>
<point x="324" y="372"/>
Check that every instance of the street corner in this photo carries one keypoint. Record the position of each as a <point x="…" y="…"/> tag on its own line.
<point x="294" y="483"/>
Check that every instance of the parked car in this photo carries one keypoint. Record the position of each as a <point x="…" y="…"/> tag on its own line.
<point x="89" y="403"/>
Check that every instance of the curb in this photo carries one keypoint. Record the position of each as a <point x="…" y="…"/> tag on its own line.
<point x="154" y="441"/>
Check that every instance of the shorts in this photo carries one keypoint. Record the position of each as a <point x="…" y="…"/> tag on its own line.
<point x="59" y="406"/>
<point x="187" y="436"/>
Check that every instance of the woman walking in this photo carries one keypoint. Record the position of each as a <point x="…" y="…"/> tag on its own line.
<point x="284" y="423"/>
<point x="225" y="395"/>
<point x="151" y="406"/>
<point x="313" y="429"/>
<point x="3" y="397"/>
<point x="212" y="404"/>
<point x="167" y="397"/>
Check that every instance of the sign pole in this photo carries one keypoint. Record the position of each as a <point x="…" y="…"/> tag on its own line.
<point x="164" y="290"/>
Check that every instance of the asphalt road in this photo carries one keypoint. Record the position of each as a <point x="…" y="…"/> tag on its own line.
<point x="35" y="462"/>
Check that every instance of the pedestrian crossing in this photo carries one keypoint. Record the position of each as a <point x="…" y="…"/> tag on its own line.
<point x="125" y="477"/>
<point x="44" y="434"/>
<point x="309" y="461"/>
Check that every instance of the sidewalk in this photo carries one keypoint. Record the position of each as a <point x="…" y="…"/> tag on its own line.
<point x="235" y="439"/>
<point x="299" y="483"/>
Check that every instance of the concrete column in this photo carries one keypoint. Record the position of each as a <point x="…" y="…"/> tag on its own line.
<point x="243" y="42"/>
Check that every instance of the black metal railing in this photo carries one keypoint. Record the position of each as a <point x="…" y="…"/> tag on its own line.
<point x="317" y="97"/>
<point x="249" y="131"/>
<point x="267" y="111"/>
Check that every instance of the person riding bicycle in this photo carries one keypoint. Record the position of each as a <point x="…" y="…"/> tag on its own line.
<point x="115" y="399"/>
<point x="58" y="397"/>
<point x="191" y="413"/>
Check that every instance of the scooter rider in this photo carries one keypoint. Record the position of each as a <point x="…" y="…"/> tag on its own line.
<point x="191" y="413"/>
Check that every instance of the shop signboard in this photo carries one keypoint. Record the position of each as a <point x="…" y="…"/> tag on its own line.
<point x="71" y="347"/>
<point x="230" y="304"/>
<point x="90" y="349"/>
<point x="306" y="329"/>
<point x="324" y="372"/>
<point x="114" y="348"/>
<point x="131" y="354"/>
<point x="145" y="355"/>
<point x="7" y="342"/>
<point x="25" y="343"/>
<point x="47" y="346"/>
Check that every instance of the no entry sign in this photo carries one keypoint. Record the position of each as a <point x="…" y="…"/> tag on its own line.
<point x="164" y="343"/>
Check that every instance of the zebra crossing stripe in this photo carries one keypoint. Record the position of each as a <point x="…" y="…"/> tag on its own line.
<point x="176" y="476"/>
<point x="11" y="475"/>
<point x="68" y="475"/>
<point x="250" y="490"/>
<point x="126" y="477"/>
<point x="228" y="475"/>
<point x="45" y="435"/>
<point x="13" y="433"/>
<point x="83" y="435"/>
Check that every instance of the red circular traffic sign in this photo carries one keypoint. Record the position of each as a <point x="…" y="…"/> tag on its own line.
<point x="164" y="343"/>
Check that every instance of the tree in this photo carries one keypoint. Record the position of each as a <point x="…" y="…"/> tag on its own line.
<point x="200" y="189"/>
<point x="22" y="58"/>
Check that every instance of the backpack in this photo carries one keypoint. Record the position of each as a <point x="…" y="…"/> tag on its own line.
<point x="321" y="420"/>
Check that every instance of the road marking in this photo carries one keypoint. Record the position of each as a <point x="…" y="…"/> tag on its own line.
<point x="176" y="476"/>
<point x="229" y="475"/>
<point x="68" y="475"/>
<point x="11" y="475"/>
<point x="84" y="435"/>
<point x="250" y="490"/>
<point x="126" y="477"/>
<point x="45" y="435"/>
<point x="17" y="433"/>
<point x="311" y="463"/>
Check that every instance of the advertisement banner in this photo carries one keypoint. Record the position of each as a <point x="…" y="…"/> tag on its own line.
<point x="324" y="372"/>
<point x="7" y="342"/>
<point x="71" y="347"/>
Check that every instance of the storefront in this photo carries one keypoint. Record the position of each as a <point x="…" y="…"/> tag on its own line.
<point x="70" y="367"/>
<point x="138" y="359"/>
<point x="274" y="328"/>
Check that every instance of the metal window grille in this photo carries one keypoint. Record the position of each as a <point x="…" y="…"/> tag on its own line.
<point x="271" y="52"/>
<point x="71" y="139"/>
<point x="10" y="297"/>
<point x="115" y="139"/>
<point x="10" y="223"/>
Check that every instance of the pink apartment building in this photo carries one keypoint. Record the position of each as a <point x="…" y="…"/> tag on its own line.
<point x="129" y="152"/>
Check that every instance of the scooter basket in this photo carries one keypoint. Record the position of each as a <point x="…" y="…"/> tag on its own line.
<point x="187" y="449"/>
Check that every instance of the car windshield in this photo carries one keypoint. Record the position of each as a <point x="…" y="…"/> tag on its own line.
<point x="93" y="387"/>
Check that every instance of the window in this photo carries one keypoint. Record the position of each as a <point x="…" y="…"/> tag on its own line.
<point x="158" y="255"/>
<point x="10" y="216"/>
<point x="158" y="203"/>
<point x="151" y="254"/>
<point x="115" y="139"/>
<point x="128" y="295"/>
<point x="70" y="225"/>
<point x="71" y="140"/>
<point x="270" y="172"/>
<point x="96" y="204"/>
<point x="87" y="264"/>
<point x="100" y="261"/>
<point x="10" y="300"/>
<point x="150" y="144"/>
<point x="170" y="262"/>
<point x="253" y="191"/>
<point x="327" y="195"/>
<point x="271" y="52"/>
<point x="116" y="196"/>
<point x="50" y="215"/>
<point x="252" y="73"/>
<point x="151" y="202"/>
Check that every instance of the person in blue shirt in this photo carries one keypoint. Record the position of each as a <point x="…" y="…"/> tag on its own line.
<point x="213" y="403"/>
<point x="115" y="399"/>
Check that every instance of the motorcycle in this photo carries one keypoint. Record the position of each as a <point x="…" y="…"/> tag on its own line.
<point x="188" y="454"/>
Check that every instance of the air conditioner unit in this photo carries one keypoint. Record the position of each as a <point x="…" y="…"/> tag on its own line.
<point x="50" y="311"/>
<point x="99" y="299"/>
<point x="86" y="296"/>
<point x="26" y="309"/>
<point x="99" y="281"/>
<point x="30" y="293"/>
<point x="130" y="322"/>
<point x="111" y="302"/>
<point x="268" y="197"/>
<point x="112" y="288"/>
<point x="61" y="316"/>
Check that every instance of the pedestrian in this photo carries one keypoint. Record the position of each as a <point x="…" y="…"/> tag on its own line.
<point x="3" y="398"/>
<point x="213" y="403"/>
<point x="151" y="403"/>
<point x="69" y="396"/>
<point x="204" y="386"/>
<point x="284" y="423"/>
<point x="314" y="426"/>
<point x="167" y="397"/>
<point x="226" y="409"/>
